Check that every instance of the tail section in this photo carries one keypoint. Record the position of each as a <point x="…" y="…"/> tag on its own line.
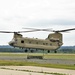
<point x="56" y="37"/>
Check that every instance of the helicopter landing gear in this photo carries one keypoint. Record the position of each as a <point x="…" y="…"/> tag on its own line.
<point x="48" y="51"/>
<point x="26" y="51"/>
<point x="32" y="51"/>
<point x="55" y="51"/>
<point x="43" y="53"/>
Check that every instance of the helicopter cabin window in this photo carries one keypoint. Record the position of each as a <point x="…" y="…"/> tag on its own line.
<point x="29" y="41"/>
<point x="43" y="43"/>
<point x="50" y="44"/>
<point x="36" y="42"/>
<point x="22" y="41"/>
<point x="46" y="43"/>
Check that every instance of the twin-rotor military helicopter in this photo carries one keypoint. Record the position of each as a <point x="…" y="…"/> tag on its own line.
<point x="52" y="42"/>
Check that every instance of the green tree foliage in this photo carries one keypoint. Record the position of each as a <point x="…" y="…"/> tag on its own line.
<point x="64" y="49"/>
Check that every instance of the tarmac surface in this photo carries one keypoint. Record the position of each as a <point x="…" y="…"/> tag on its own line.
<point x="23" y="70"/>
<point x="13" y="72"/>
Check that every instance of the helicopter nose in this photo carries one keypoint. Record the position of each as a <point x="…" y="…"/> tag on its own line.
<point x="11" y="43"/>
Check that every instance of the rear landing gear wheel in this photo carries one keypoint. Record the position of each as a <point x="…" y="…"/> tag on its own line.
<point x="55" y="51"/>
<point x="26" y="51"/>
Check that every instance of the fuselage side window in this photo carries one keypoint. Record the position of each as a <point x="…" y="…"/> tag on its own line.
<point x="43" y="43"/>
<point x="36" y="42"/>
<point x="46" y="43"/>
<point x="29" y="41"/>
<point x="50" y="44"/>
<point x="22" y="41"/>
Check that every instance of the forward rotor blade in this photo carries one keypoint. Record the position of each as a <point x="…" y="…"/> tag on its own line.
<point x="36" y="28"/>
<point x="18" y="31"/>
<point x="6" y="32"/>
<point x="27" y="31"/>
<point x="30" y="28"/>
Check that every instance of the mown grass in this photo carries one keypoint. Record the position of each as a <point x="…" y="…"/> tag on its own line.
<point x="46" y="56"/>
<point x="60" y="56"/>
<point x="13" y="54"/>
<point x="25" y="63"/>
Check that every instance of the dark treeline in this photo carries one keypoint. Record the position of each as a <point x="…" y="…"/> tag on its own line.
<point x="63" y="49"/>
<point x="67" y="49"/>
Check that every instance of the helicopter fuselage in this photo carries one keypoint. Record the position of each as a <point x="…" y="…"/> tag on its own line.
<point x="52" y="42"/>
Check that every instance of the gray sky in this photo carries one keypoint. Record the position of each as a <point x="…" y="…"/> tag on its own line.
<point x="55" y="14"/>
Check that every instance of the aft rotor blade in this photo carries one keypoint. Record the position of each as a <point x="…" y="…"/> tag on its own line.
<point x="64" y="30"/>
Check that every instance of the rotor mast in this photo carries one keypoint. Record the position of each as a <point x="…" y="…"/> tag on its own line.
<point x="17" y="35"/>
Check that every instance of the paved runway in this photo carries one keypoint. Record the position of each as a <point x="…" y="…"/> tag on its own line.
<point x="22" y="70"/>
<point x="13" y="72"/>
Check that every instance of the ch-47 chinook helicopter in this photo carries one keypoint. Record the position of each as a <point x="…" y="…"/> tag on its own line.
<point x="52" y="42"/>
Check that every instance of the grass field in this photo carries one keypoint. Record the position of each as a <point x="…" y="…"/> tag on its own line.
<point x="46" y="56"/>
<point x="24" y="63"/>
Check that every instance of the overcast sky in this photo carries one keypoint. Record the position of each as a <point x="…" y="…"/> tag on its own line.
<point x="54" y="14"/>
